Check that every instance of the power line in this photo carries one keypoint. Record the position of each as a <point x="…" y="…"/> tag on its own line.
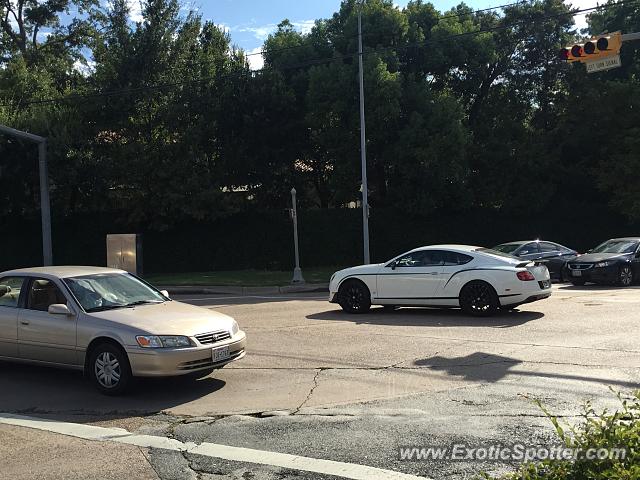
<point x="351" y="37"/>
<point x="312" y="62"/>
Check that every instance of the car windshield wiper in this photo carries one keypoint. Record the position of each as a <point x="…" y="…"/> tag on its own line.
<point x="104" y="307"/>
<point x="142" y="302"/>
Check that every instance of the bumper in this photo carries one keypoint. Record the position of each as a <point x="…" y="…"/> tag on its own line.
<point x="182" y="361"/>
<point x="596" y="275"/>
<point x="526" y="297"/>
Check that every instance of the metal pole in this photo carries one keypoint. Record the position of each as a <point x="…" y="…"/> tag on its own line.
<point x="297" y="272"/>
<point x="45" y="207"/>
<point x="363" y="146"/>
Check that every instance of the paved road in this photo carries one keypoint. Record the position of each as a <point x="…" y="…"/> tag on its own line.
<point x="323" y="384"/>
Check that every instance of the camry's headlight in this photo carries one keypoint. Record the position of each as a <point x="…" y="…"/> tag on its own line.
<point x="235" y="328"/>
<point x="602" y="264"/>
<point x="163" y="341"/>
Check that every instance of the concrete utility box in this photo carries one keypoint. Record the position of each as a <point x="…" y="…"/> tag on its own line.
<point x="124" y="251"/>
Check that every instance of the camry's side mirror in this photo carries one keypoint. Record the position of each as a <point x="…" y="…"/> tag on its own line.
<point x="59" y="309"/>
<point x="165" y="293"/>
<point x="393" y="265"/>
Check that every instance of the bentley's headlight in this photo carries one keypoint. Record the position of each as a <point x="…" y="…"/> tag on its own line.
<point x="602" y="264"/>
<point x="163" y="341"/>
<point x="235" y="328"/>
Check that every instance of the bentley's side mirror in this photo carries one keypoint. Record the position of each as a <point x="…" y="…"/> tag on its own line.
<point x="165" y="293"/>
<point x="393" y="265"/>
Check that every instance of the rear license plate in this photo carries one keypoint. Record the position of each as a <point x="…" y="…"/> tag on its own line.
<point x="576" y="273"/>
<point x="220" y="354"/>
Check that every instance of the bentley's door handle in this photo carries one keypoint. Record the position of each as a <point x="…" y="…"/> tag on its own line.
<point x="24" y="322"/>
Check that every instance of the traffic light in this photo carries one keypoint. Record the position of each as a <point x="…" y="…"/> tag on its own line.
<point x="602" y="46"/>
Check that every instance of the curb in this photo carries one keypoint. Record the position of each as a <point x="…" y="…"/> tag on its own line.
<point x="243" y="291"/>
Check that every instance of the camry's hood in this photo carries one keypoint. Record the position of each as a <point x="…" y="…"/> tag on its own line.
<point x="169" y="318"/>
<point x="600" y="257"/>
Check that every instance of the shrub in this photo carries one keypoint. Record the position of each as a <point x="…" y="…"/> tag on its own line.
<point x="620" y="429"/>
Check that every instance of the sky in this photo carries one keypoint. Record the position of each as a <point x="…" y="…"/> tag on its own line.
<point x="250" y="21"/>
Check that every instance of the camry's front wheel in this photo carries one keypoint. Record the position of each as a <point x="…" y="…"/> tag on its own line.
<point x="109" y="369"/>
<point x="478" y="298"/>
<point x="354" y="297"/>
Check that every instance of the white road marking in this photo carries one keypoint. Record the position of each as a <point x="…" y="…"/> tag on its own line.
<point x="237" y="454"/>
<point x="277" y="297"/>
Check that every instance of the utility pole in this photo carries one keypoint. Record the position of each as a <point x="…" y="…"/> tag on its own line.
<point x="363" y="144"/>
<point x="45" y="210"/>
<point x="297" y="272"/>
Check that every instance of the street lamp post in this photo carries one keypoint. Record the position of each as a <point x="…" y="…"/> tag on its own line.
<point x="297" y="272"/>
<point x="363" y="144"/>
<point x="45" y="209"/>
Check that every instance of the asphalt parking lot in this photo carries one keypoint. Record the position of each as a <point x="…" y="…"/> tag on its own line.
<point x="322" y="384"/>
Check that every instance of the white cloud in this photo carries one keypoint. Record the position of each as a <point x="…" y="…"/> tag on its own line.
<point x="260" y="32"/>
<point x="304" y="26"/>
<point x="255" y="59"/>
<point x="581" y="19"/>
<point x="225" y="28"/>
<point x="135" y="10"/>
<point x="85" y="69"/>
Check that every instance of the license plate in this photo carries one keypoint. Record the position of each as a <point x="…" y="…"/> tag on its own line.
<point x="220" y="354"/>
<point x="576" y="273"/>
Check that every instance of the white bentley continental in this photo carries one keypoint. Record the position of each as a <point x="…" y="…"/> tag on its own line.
<point x="478" y="280"/>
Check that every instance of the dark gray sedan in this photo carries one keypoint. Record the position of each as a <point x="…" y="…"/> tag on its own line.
<point x="553" y="255"/>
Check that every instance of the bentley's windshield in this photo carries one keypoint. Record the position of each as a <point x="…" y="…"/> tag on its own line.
<point x="107" y="291"/>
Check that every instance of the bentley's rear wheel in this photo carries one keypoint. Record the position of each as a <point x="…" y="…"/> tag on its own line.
<point x="478" y="298"/>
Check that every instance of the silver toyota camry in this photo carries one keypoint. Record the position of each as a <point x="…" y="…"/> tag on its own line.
<point x="111" y="325"/>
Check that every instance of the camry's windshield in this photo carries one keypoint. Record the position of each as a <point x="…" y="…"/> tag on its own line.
<point x="107" y="291"/>
<point x="507" y="247"/>
<point x="616" y="246"/>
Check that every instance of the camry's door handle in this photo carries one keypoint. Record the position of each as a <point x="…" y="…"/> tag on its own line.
<point x="433" y="273"/>
<point x="24" y="322"/>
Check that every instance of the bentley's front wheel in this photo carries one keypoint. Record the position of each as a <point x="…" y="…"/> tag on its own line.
<point x="354" y="297"/>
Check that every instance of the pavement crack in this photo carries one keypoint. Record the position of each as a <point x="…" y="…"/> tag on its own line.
<point x="146" y="457"/>
<point x="313" y="387"/>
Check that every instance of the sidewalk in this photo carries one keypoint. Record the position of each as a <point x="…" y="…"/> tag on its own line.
<point x="31" y="454"/>
<point x="227" y="290"/>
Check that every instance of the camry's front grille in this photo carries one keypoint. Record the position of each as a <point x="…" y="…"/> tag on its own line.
<point x="213" y="337"/>
<point x="580" y="266"/>
<point x="207" y="362"/>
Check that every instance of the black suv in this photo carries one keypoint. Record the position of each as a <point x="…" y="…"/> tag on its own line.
<point x="614" y="262"/>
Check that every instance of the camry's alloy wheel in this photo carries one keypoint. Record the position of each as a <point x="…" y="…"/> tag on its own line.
<point x="479" y="298"/>
<point x="107" y="370"/>
<point x="625" y="277"/>
<point x="354" y="297"/>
